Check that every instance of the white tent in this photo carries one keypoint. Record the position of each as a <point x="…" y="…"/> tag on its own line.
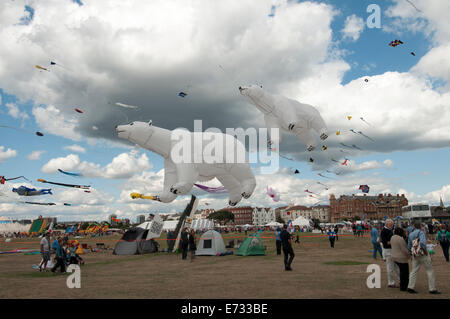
<point x="301" y="221"/>
<point x="274" y="224"/>
<point x="210" y="244"/>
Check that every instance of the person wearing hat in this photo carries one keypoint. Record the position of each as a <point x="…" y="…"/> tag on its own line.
<point x="45" y="251"/>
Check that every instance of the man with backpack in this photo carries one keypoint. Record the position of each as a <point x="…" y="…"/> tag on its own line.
<point x="443" y="236"/>
<point x="417" y="245"/>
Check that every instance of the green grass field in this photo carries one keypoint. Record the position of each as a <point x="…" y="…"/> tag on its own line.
<point x="318" y="272"/>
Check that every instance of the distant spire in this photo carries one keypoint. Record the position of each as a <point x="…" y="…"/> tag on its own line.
<point x="441" y="203"/>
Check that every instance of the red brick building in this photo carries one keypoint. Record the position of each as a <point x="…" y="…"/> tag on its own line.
<point x="372" y="207"/>
<point x="242" y="215"/>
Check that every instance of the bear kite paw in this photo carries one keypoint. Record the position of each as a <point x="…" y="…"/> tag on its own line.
<point x="232" y="203"/>
<point x="323" y="136"/>
<point x="291" y="126"/>
<point x="310" y="148"/>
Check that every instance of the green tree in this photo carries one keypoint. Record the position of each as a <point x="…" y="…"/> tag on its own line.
<point x="222" y="216"/>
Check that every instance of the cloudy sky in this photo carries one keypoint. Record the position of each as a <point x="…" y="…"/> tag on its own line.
<point x="143" y="53"/>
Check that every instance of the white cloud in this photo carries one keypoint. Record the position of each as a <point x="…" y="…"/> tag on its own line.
<point x="52" y="120"/>
<point x="35" y="155"/>
<point x="354" y="25"/>
<point x="15" y="112"/>
<point x="352" y="166"/>
<point x="6" y="153"/>
<point x="124" y="165"/>
<point x="75" y="148"/>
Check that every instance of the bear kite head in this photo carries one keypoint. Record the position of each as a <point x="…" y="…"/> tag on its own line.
<point x="136" y="132"/>
<point x="256" y="96"/>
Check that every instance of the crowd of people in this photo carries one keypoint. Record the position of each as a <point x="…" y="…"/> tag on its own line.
<point x="399" y="245"/>
<point x="65" y="252"/>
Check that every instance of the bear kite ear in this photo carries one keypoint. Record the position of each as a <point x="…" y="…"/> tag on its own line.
<point x="150" y="123"/>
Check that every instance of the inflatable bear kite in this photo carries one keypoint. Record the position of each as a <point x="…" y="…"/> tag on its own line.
<point x="186" y="163"/>
<point x="290" y="115"/>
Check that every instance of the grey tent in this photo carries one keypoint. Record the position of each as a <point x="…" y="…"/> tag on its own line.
<point x="211" y="244"/>
<point x="133" y="242"/>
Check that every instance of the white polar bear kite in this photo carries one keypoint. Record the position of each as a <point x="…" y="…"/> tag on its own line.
<point x="290" y="115"/>
<point x="180" y="176"/>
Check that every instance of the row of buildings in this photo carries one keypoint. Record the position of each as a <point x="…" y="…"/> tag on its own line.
<point x="345" y="208"/>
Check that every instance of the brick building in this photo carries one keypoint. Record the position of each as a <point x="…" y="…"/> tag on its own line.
<point x="242" y="215"/>
<point x="372" y="207"/>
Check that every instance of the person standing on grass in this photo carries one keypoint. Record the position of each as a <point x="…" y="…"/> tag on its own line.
<point x="45" y="251"/>
<point x="401" y="256"/>
<point x="420" y="257"/>
<point x="391" y="267"/>
<point x="184" y="243"/>
<point x="60" y="257"/>
<point x="331" y="237"/>
<point x="278" y="240"/>
<point x="287" y="248"/>
<point x="376" y="242"/>
<point x="336" y="230"/>
<point x="443" y="236"/>
<point x="297" y="234"/>
<point x="192" y="245"/>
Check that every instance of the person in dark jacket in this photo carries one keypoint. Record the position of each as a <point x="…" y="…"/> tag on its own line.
<point x="287" y="248"/>
<point x="184" y="243"/>
<point x="192" y="245"/>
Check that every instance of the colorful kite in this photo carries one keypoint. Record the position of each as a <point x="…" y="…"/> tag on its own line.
<point x="362" y="119"/>
<point x="308" y="191"/>
<point x="311" y="159"/>
<point x="70" y="174"/>
<point x="36" y="203"/>
<point x="25" y="191"/>
<point x="3" y="179"/>
<point x="332" y="159"/>
<point x="138" y="195"/>
<point x="412" y="53"/>
<point x="182" y="94"/>
<point x="351" y="130"/>
<point x="349" y="118"/>
<point x="272" y="12"/>
<point x="395" y="43"/>
<point x="41" y="68"/>
<point x="344" y="163"/>
<point x="272" y="194"/>
<point x="361" y="133"/>
<point x="364" y="188"/>
<point x="324" y="147"/>
<point x="366" y="80"/>
<point x="65" y="185"/>
<point x="78" y="110"/>
<point x="39" y="134"/>
<point x="326" y="187"/>
<point x="338" y="132"/>
<point x="212" y="190"/>
<point x="345" y="145"/>
<point x="127" y="106"/>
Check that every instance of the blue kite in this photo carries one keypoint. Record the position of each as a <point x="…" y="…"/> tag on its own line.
<point x="70" y="174"/>
<point x="182" y="94"/>
<point x="25" y="191"/>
